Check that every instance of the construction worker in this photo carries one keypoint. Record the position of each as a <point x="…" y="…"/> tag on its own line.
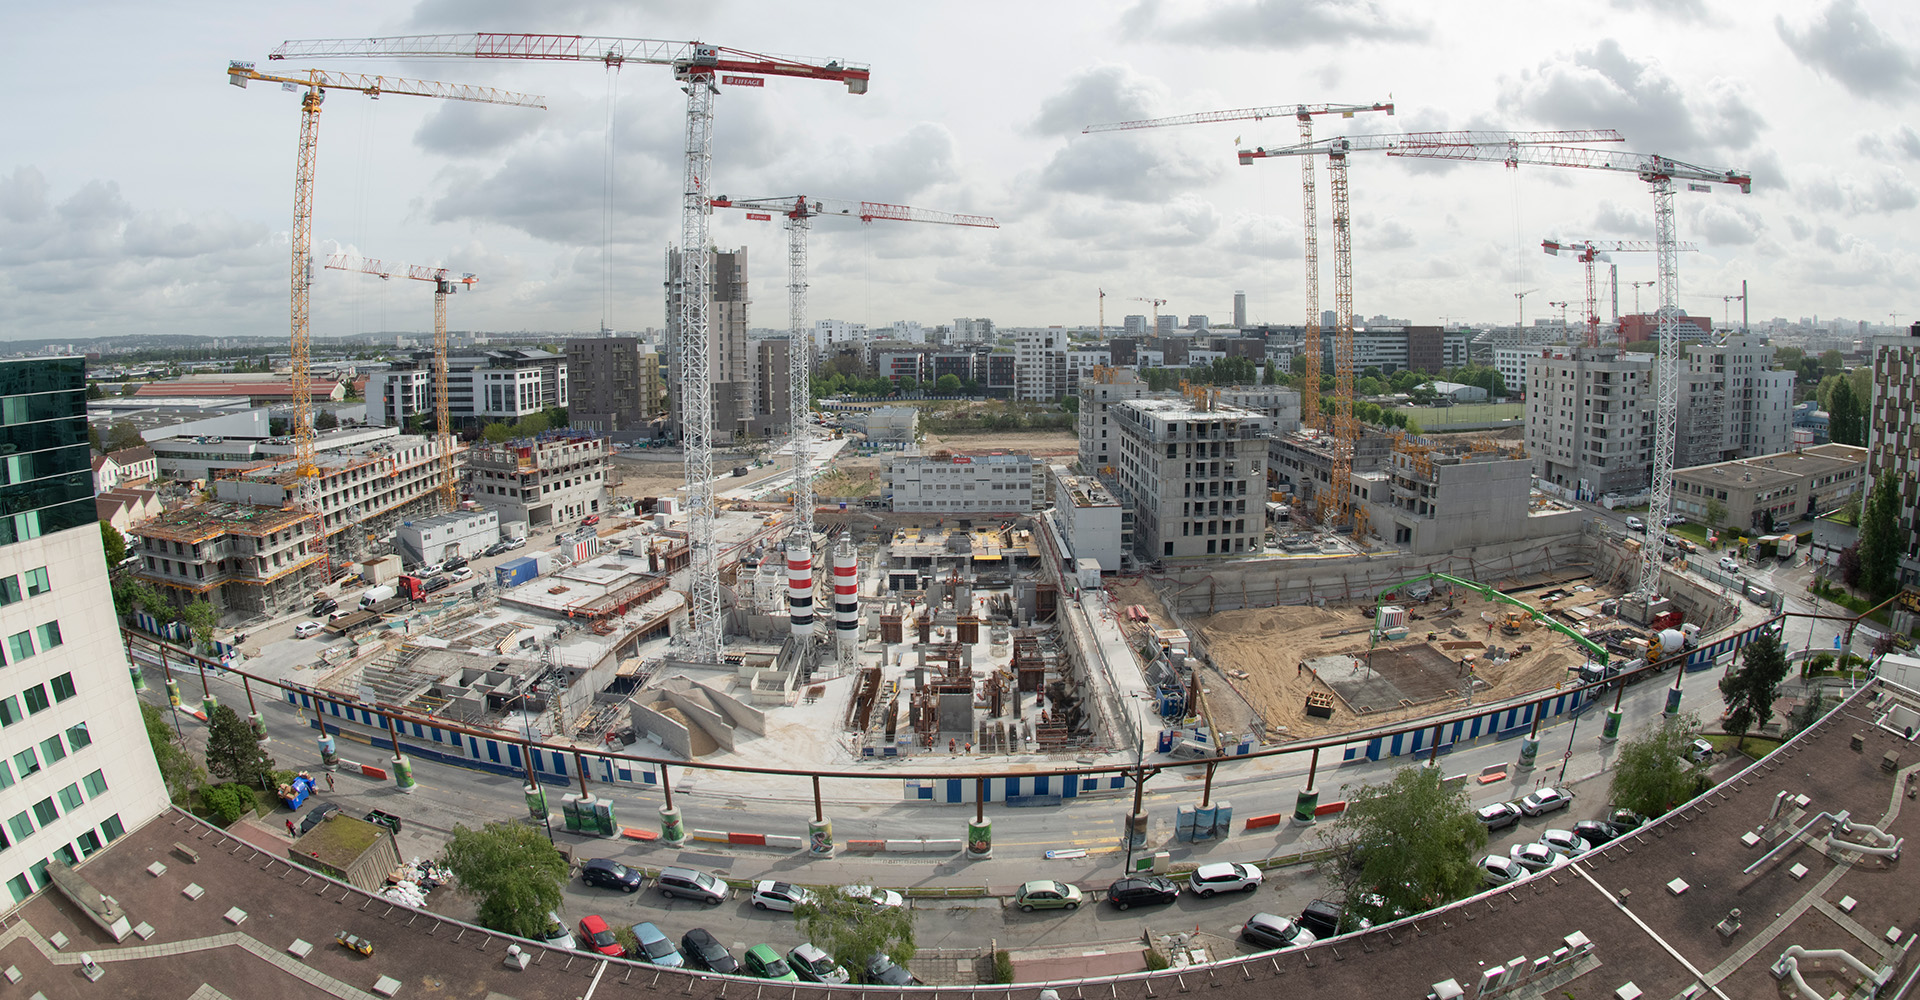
<point x="329" y="782"/>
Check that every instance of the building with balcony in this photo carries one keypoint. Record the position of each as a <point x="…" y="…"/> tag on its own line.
<point x="1733" y="403"/>
<point x="1893" y="435"/>
<point x="1194" y="472"/>
<point x="1040" y="364"/>
<point x="361" y="491"/>
<point x="547" y="481"/>
<point x="614" y="384"/>
<point x="1092" y="424"/>
<point x="505" y="384"/>
<point x="1590" y="420"/>
<point x="243" y="558"/>
<point x="966" y="484"/>
<point x="78" y="772"/>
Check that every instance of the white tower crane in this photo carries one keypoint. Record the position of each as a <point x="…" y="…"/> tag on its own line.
<point x="1589" y="251"/>
<point x="701" y="69"/>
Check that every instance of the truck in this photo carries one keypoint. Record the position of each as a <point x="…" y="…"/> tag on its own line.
<point x="374" y="595"/>
<point x="413" y="587"/>
<point x="350" y="622"/>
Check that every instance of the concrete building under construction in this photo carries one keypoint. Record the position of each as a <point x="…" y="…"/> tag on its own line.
<point x="243" y="558"/>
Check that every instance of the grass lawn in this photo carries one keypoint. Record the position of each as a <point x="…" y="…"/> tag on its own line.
<point x="1691" y="532"/>
<point x="1756" y="746"/>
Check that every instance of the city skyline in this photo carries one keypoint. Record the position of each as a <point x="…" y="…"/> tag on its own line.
<point x="149" y="197"/>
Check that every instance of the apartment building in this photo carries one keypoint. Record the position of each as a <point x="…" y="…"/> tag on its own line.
<point x="972" y="331"/>
<point x="1095" y="524"/>
<point x="1511" y="363"/>
<point x="1194" y="472"/>
<point x="553" y="480"/>
<point x="1590" y="420"/>
<point x="1733" y="403"/>
<point x="772" y="377"/>
<point x="1431" y="501"/>
<point x="1893" y="435"/>
<point x="77" y="772"/>
<point x="244" y="558"/>
<point x="1771" y="491"/>
<point x="966" y="484"/>
<point x="614" y="384"/>
<point x="361" y="491"/>
<point x="1040" y="364"/>
<point x="1092" y="425"/>
<point x="829" y="334"/>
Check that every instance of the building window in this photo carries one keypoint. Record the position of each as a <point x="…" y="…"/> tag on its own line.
<point x="71" y="798"/>
<point x="45" y="811"/>
<point x="19" y="646"/>
<point x="89" y="843"/>
<point x="9" y="590"/>
<point x="36" y="697"/>
<point x="22" y="826"/>
<point x="18" y="886"/>
<point x="9" y="711"/>
<point x="52" y="749"/>
<point x="6" y="775"/>
<point x="49" y="635"/>
<point x="37" y="582"/>
<point x="95" y="783"/>
<point x="26" y="762"/>
<point x="62" y="687"/>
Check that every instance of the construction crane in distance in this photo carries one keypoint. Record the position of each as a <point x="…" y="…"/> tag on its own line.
<point x="1726" y="308"/>
<point x="1303" y="114"/>
<point x="1154" y="330"/>
<point x="1589" y="251"/>
<point x="701" y="69"/>
<point x="444" y="284"/>
<point x="1346" y="429"/>
<point x="1520" y="301"/>
<point x="799" y="210"/>
<point x="1562" y="306"/>
<point x="316" y="83"/>
<point x="1637" y="285"/>
<point x="1659" y="173"/>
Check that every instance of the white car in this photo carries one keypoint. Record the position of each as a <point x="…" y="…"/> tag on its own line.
<point x="304" y="629"/>
<point x="1546" y="800"/>
<point x="1225" y="876"/>
<point x="879" y="899"/>
<point x="1566" y="842"/>
<point x="1498" y="870"/>
<point x="1635" y="524"/>
<point x="1536" y="857"/>
<point x="782" y="896"/>
<point x="462" y="575"/>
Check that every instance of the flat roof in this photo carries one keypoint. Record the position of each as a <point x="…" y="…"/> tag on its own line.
<point x="204" y="521"/>
<point x="1778" y="469"/>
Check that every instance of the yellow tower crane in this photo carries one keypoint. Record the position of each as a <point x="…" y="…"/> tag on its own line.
<point x="444" y="284"/>
<point x="316" y="83"/>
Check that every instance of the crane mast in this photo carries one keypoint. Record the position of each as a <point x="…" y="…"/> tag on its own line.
<point x="444" y="284"/>
<point x="699" y="67"/>
<point x="1589" y="251"/>
<point x="305" y="493"/>
<point x="1659" y="173"/>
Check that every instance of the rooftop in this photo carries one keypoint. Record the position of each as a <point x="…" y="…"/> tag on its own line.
<point x="338" y="840"/>
<point x="1780" y="469"/>
<point x="206" y="521"/>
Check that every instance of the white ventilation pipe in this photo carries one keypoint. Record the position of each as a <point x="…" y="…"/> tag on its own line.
<point x="1788" y="967"/>
<point x="1884" y="844"/>
<point x="1778" y="800"/>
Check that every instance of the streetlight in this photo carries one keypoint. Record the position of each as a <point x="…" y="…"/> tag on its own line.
<point x="533" y="780"/>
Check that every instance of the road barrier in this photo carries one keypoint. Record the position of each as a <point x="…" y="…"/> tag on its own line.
<point x="1262" y="822"/>
<point x="1492" y="773"/>
<point x="1329" y="808"/>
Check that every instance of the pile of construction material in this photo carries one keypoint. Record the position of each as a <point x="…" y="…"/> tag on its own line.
<point x="409" y="883"/>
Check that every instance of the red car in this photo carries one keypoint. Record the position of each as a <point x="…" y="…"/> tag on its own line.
<point x="597" y="937"/>
<point x="591" y="519"/>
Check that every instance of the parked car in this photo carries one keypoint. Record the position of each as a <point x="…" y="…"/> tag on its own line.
<point x="590" y="520"/>
<point x="1545" y="800"/>
<point x="1326" y="918"/>
<point x="686" y="883"/>
<point x="1498" y="816"/>
<point x="515" y="543"/>
<point x="704" y="951"/>
<point x="1276" y="931"/>
<point x="882" y="971"/>
<point x="1536" y="857"/>
<point x="1729" y="564"/>
<point x="323" y="605"/>
<point x="816" y="966"/>
<point x="316" y="816"/>
<point x="304" y="629"/>
<point x="1047" y="894"/>
<point x="557" y="934"/>
<point x="1699" y="751"/>
<point x="461" y="575"/>
<point x="762" y="961"/>
<point x="427" y="570"/>
<point x="1141" y="891"/>
<point x="875" y="898"/>
<point x="1498" y="869"/>
<point x="1635" y="524"/>
<point x="654" y="948"/>
<point x="1566" y="842"/>
<point x="599" y="937"/>
<point x="782" y="896"/>
<point x="453" y="563"/>
<point x="437" y="584"/>
<point x="1224" y="876"/>
<point x="495" y="549"/>
<point x="1596" y="831"/>
<point x="610" y="874"/>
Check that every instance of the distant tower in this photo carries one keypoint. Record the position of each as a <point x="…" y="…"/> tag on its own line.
<point x="846" y="604"/>
<point x="1240" y="310"/>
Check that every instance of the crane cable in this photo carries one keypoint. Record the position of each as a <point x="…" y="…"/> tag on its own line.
<point x="606" y="204"/>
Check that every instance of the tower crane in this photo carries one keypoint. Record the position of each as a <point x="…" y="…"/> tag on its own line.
<point x="1726" y="307"/>
<point x="1346" y="429"/>
<point x="1520" y="303"/>
<point x="799" y="211"/>
<point x="1154" y="330"/>
<point x="444" y="284"/>
<point x="701" y="69"/>
<point x="1562" y="306"/>
<point x="1304" y="115"/>
<point x="1588" y="251"/>
<point x="1637" y="285"/>
<point x="317" y="82"/>
<point x="1659" y="173"/>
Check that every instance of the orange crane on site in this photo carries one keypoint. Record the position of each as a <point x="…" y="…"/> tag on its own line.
<point x="1588" y="251"/>
<point x="316" y="83"/>
<point x="444" y="284"/>
<point x="1154" y="330"/>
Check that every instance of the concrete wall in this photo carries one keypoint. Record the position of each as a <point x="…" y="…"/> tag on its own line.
<point x="695" y="708"/>
<point x="668" y="732"/>
<point x="738" y="712"/>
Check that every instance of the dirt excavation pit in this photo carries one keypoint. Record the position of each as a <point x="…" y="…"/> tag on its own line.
<point x="1400" y="677"/>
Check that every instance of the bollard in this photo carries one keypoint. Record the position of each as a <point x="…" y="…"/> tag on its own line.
<point x="820" y="838"/>
<point x="139" y="677"/>
<point x="979" y="839"/>
<point x="403" y="773"/>
<point x="173" y="693"/>
<point x="208" y="704"/>
<point x="1610" y="731"/>
<point x="1135" y="835"/>
<point x="673" y="831"/>
<point x="1673" y="702"/>
<point x="328" y="755"/>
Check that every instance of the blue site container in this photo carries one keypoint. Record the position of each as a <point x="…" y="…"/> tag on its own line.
<point x="515" y="572"/>
<point x="1203" y="822"/>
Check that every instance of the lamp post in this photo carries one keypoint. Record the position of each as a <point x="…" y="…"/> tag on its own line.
<point x="534" y="792"/>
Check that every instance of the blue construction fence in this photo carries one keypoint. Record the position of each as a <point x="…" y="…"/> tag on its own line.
<point x="480" y="753"/>
<point x="1502" y="724"/>
<point x="177" y="631"/>
<point x="1013" y="790"/>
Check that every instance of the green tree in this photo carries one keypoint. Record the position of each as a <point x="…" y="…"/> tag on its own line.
<point x="326" y="420"/>
<point x="177" y="766"/>
<point x="1787" y="358"/>
<point x="202" y="620"/>
<point x="114" y="543"/>
<point x="1881" y="540"/>
<point x="853" y="930"/>
<point x="497" y="432"/>
<point x="909" y="385"/>
<point x="123" y="435"/>
<point x="95" y="392"/>
<point x="1270" y="375"/>
<point x="947" y="384"/>
<point x="1651" y="770"/>
<point x="512" y="870"/>
<point x="1716" y="513"/>
<point x="1750" y="690"/>
<point x="233" y="753"/>
<point x="1405" y="846"/>
<point x="1832" y="362"/>
<point x="93" y="438"/>
<point x="128" y="591"/>
<point x="1070" y="403"/>
<point x="228" y="802"/>
<point x="1845" y="419"/>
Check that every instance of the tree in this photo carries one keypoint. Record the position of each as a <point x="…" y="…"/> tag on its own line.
<point x="947" y="384"/>
<point x="177" y="767"/>
<point x="114" y="543"/>
<point x="233" y="753"/>
<point x="909" y="385"/>
<point x="93" y="438"/>
<point x="1881" y="540"/>
<point x="123" y="435"/>
<point x="95" y="392"/>
<point x="128" y="591"/>
<point x="1652" y="772"/>
<point x="1270" y="375"/>
<point x="1787" y="358"/>
<point x="497" y="432"/>
<point x="201" y="620"/>
<point x="853" y="930"/>
<point x="512" y="870"/>
<point x="227" y="802"/>
<point x="1405" y="846"/>
<point x="1832" y="362"/>
<point x="1716" y="513"/>
<point x="1845" y="421"/>
<point x="326" y="420"/>
<point x="1750" y="690"/>
<point x="1070" y="403"/>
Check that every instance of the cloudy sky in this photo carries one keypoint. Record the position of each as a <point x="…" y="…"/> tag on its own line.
<point x="141" y="193"/>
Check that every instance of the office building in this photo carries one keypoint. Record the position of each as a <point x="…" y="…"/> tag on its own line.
<point x="614" y="383"/>
<point x="1239" y="310"/>
<point x="1194" y="472"/>
<point x="966" y="484"/>
<point x="1416" y="348"/>
<point x="506" y="384"/>
<point x="550" y="481"/>
<point x="77" y="773"/>
<point x="1770" y="492"/>
<point x="1135" y="326"/>
<point x="1094" y="523"/>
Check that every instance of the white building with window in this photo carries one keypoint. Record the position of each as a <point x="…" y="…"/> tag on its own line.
<point x="77" y="771"/>
<point x="966" y="484"/>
